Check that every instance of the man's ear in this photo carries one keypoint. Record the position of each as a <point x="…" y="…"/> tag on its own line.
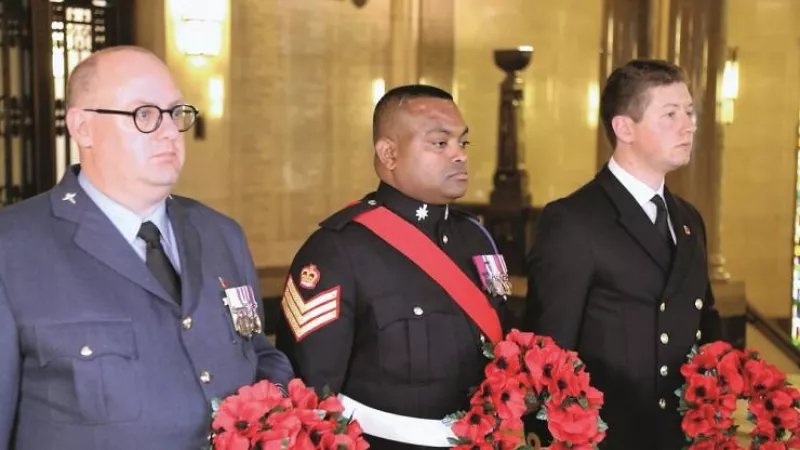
<point x="78" y="126"/>
<point x="386" y="151"/>
<point x="624" y="128"/>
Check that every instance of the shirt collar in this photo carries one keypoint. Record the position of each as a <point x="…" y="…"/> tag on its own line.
<point x="640" y="191"/>
<point x="125" y="220"/>
<point x="424" y="215"/>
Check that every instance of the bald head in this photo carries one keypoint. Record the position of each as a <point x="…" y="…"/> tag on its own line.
<point x="395" y="100"/>
<point x="87" y="76"/>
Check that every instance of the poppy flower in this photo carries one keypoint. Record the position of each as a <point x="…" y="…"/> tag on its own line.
<point x="699" y="422"/>
<point x="301" y="396"/>
<point x="475" y="425"/>
<point x="701" y="388"/>
<point x="572" y="423"/>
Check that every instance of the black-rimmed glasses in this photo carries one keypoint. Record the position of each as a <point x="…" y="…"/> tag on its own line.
<point x="147" y="118"/>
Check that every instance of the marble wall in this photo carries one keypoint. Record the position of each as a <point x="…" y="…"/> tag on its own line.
<point x="759" y="160"/>
<point x="292" y="140"/>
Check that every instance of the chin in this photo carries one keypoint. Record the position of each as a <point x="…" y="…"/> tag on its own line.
<point x="455" y="194"/>
<point x="166" y="177"/>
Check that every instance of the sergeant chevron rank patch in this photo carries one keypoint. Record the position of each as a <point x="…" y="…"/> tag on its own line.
<point x="307" y="315"/>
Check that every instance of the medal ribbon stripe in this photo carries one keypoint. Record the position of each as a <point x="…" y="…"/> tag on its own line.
<point x="246" y="293"/>
<point x="483" y="270"/>
<point x="305" y="316"/>
<point x="494" y="266"/>
<point x="501" y="264"/>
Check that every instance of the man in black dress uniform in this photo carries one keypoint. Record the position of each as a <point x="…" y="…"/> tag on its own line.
<point x="618" y="269"/>
<point x="375" y="305"/>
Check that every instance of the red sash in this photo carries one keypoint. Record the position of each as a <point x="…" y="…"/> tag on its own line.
<point x="417" y="247"/>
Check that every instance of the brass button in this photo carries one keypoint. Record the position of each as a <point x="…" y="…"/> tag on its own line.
<point x="86" y="351"/>
<point x="664" y="338"/>
<point x="444" y="239"/>
<point x="662" y="403"/>
<point x="187" y="323"/>
<point x="205" y="377"/>
<point x="372" y="202"/>
<point x="663" y="371"/>
<point x="662" y="307"/>
<point x="417" y="311"/>
<point x="698" y="335"/>
<point x="698" y="304"/>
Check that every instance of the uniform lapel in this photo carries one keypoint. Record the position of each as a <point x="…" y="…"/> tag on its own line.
<point x="190" y="251"/>
<point x="98" y="237"/>
<point x="635" y="221"/>
<point x="686" y="244"/>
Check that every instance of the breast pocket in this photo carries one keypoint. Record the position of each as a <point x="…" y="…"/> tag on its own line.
<point x="90" y="370"/>
<point x="419" y="337"/>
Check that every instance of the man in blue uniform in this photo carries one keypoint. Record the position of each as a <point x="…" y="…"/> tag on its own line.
<point x="113" y="329"/>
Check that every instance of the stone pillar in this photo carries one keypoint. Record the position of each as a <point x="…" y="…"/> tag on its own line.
<point x="510" y="178"/>
<point x="624" y="37"/>
<point x="150" y="23"/>
<point x="422" y="43"/>
<point x="509" y="215"/>
<point x="436" y="54"/>
<point x="404" y="43"/>
<point x="694" y="38"/>
<point x="697" y="43"/>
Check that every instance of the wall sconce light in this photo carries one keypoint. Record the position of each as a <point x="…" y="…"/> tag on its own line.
<point x="730" y="87"/>
<point x="198" y="26"/>
<point x="216" y="97"/>
<point x="593" y="104"/>
<point x="730" y="76"/>
<point x="378" y="89"/>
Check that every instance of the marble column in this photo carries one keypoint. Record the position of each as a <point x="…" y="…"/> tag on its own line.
<point x="404" y="43"/>
<point x="422" y="43"/>
<point x="696" y="42"/>
<point x="436" y="55"/>
<point x="624" y="37"/>
<point x="691" y="34"/>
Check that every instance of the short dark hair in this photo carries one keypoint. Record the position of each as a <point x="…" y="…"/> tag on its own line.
<point x="395" y="97"/>
<point x="625" y="92"/>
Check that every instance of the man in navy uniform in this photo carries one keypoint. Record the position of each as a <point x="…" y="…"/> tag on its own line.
<point x="618" y="269"/>
<point x="113" y="330"/>
<point x="370" y="305"/>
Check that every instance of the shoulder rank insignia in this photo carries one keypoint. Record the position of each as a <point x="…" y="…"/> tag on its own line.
<point x="307" y="315"/>
<point x="309" y="276"/>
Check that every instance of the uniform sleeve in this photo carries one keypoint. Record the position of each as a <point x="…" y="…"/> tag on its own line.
<point x="273" y="365"/>
<point x="318" y="309"/>
<point x="9" y="370"/>
<point x="560" y="269"/>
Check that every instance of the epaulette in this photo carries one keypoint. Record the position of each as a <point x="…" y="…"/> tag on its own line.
<point x="338" y="220"/>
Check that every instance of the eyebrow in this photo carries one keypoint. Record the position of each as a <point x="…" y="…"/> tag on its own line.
<point x="675" y="105"/>
<point x="446" y="131"/>
<point x="140" y="102"/>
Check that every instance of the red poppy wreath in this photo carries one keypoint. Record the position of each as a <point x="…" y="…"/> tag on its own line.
<point x="717" y="375"/>
<point x="530" y="373"/>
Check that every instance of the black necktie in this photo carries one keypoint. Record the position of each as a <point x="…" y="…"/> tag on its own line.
<point x="662" y="224"/>
<point x="158" y="262"/>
